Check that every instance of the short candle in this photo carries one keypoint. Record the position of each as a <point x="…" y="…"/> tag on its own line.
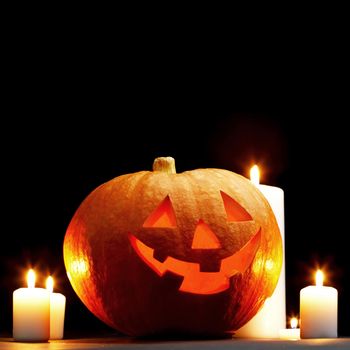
<point x="31" y="312"/>
<point x="318" y="310"/>
<point x="57" y="311"/>
<point x="292" y="333"/>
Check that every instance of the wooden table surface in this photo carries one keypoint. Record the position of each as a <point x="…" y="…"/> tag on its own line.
<point x="121" y="343"/>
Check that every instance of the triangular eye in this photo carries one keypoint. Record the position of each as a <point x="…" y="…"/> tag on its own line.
<point x="162" y="216"/>
<point x="234" y="211"/>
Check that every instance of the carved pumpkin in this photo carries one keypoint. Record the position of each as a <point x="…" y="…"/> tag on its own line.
<point x="160" y="252"/>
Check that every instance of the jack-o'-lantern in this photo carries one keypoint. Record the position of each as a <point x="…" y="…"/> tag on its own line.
<point x="159" y="252"/>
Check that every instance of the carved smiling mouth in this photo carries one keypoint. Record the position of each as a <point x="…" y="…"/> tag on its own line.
<point x="194" y="280"/>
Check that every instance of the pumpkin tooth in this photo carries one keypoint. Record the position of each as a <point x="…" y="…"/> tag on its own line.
<point x="210" y="266"/>
<point x="160" y="256"/>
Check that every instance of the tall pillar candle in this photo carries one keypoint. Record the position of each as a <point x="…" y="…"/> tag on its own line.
<point x="268" y="322"/>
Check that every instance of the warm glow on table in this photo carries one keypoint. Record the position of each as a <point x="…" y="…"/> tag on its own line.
<point x="319" y="310"/>
<point x="272" y="317"/>
<point x="31" y="312"/>
<point x="57" y="311"/>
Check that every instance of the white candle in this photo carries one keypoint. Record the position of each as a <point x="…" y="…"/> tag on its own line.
<point x="31" y="312"/>
<point x="57" y="310"/>
<point x="319" y="310"/>
<point x="292" y="333"/>
<point x="272" y="317"/>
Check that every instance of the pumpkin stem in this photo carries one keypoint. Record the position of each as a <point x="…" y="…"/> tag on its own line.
<point x="165" y="164"/>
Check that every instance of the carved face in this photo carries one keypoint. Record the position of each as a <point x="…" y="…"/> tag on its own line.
<point x="159" y="252"/>
<point x="204" y="239"/>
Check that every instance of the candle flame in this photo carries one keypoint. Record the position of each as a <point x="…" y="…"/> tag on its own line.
<point x="255" y="175"/>
<point x="49" y="284"/>
<point x="31" y="278"/>
<point x="319" y="278"/>
<point x="294" y="322"/>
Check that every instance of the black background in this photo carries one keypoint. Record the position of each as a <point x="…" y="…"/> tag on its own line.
<point x="303" y="152"/>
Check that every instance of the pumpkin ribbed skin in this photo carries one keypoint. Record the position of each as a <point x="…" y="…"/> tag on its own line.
<point x="124" y="292"/>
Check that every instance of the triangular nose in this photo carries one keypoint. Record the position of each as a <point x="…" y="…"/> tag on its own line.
<point x="204" y="237"/>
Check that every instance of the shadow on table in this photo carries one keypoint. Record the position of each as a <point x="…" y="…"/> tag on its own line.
<point x="118" y="338"/>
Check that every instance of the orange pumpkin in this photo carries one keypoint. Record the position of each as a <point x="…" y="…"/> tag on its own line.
<point x="160" y="252"/>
